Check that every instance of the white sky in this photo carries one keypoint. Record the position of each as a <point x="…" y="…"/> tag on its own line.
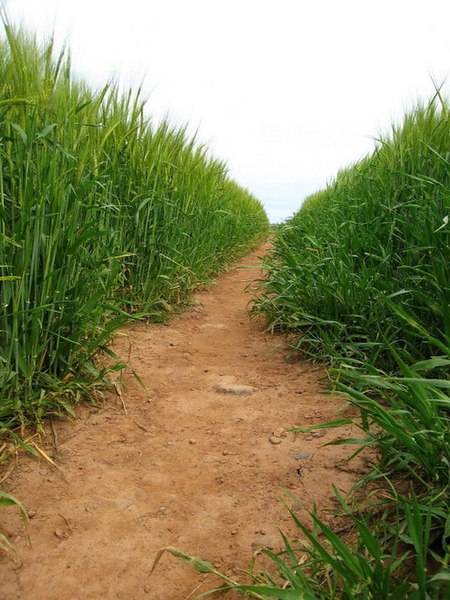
<point x="285" y="91"/>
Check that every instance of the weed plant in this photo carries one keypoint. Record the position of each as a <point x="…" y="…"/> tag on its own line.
<point x="103" y="215"/>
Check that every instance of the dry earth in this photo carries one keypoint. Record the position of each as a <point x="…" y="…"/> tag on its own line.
<point x="190" y="464"/>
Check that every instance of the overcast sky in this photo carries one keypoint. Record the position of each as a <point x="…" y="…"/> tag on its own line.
<point x="285" y="91"/>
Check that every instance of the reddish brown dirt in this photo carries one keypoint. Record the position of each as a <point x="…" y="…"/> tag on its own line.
<point x="186" y="466"/>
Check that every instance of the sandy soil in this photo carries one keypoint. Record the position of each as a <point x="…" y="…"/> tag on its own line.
<point x="189" y="464"/>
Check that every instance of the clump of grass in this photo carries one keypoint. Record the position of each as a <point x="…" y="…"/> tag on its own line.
<point x="7" y="499"/>
<point x="387" y="561"/>
<point x="103" y="215"/>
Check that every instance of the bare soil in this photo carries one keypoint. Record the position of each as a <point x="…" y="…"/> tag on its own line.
<point x="178" y="462"/>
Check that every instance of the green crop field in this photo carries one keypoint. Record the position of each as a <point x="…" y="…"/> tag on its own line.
<point x="103" y="216"/>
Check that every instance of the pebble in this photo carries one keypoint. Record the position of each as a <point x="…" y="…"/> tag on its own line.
<point x="301" y="455"/>
<point x="31" y="514"/>
<point x="262" y="542"/>
<point x="275" y="440"/>
<point x="59" y="533"/>
<point x="280" y="432"/>
<point x="233" y="389"/>
<point x="192" y="442"/>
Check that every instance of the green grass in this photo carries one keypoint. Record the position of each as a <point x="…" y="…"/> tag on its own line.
<point x="378" y="234"/>
<point x="103" y="215"/>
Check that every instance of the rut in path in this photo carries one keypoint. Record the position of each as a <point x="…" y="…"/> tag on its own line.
<point x="188" y="465"/>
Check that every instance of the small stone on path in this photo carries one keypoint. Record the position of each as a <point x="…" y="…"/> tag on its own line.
<point x="262" y="542"/>
<point x="301" y="455"/>
<point x="234" y="389"/>
<point x="315" y="434"/>
<point x="59" y="533"/>
<point x="275" y="440"/>
<point x="280" y="432"/>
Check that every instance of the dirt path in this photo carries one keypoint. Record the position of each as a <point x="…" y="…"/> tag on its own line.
<point x="189" y="465"/>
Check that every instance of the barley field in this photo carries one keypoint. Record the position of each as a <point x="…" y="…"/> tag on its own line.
<point x="104" y="217"/>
